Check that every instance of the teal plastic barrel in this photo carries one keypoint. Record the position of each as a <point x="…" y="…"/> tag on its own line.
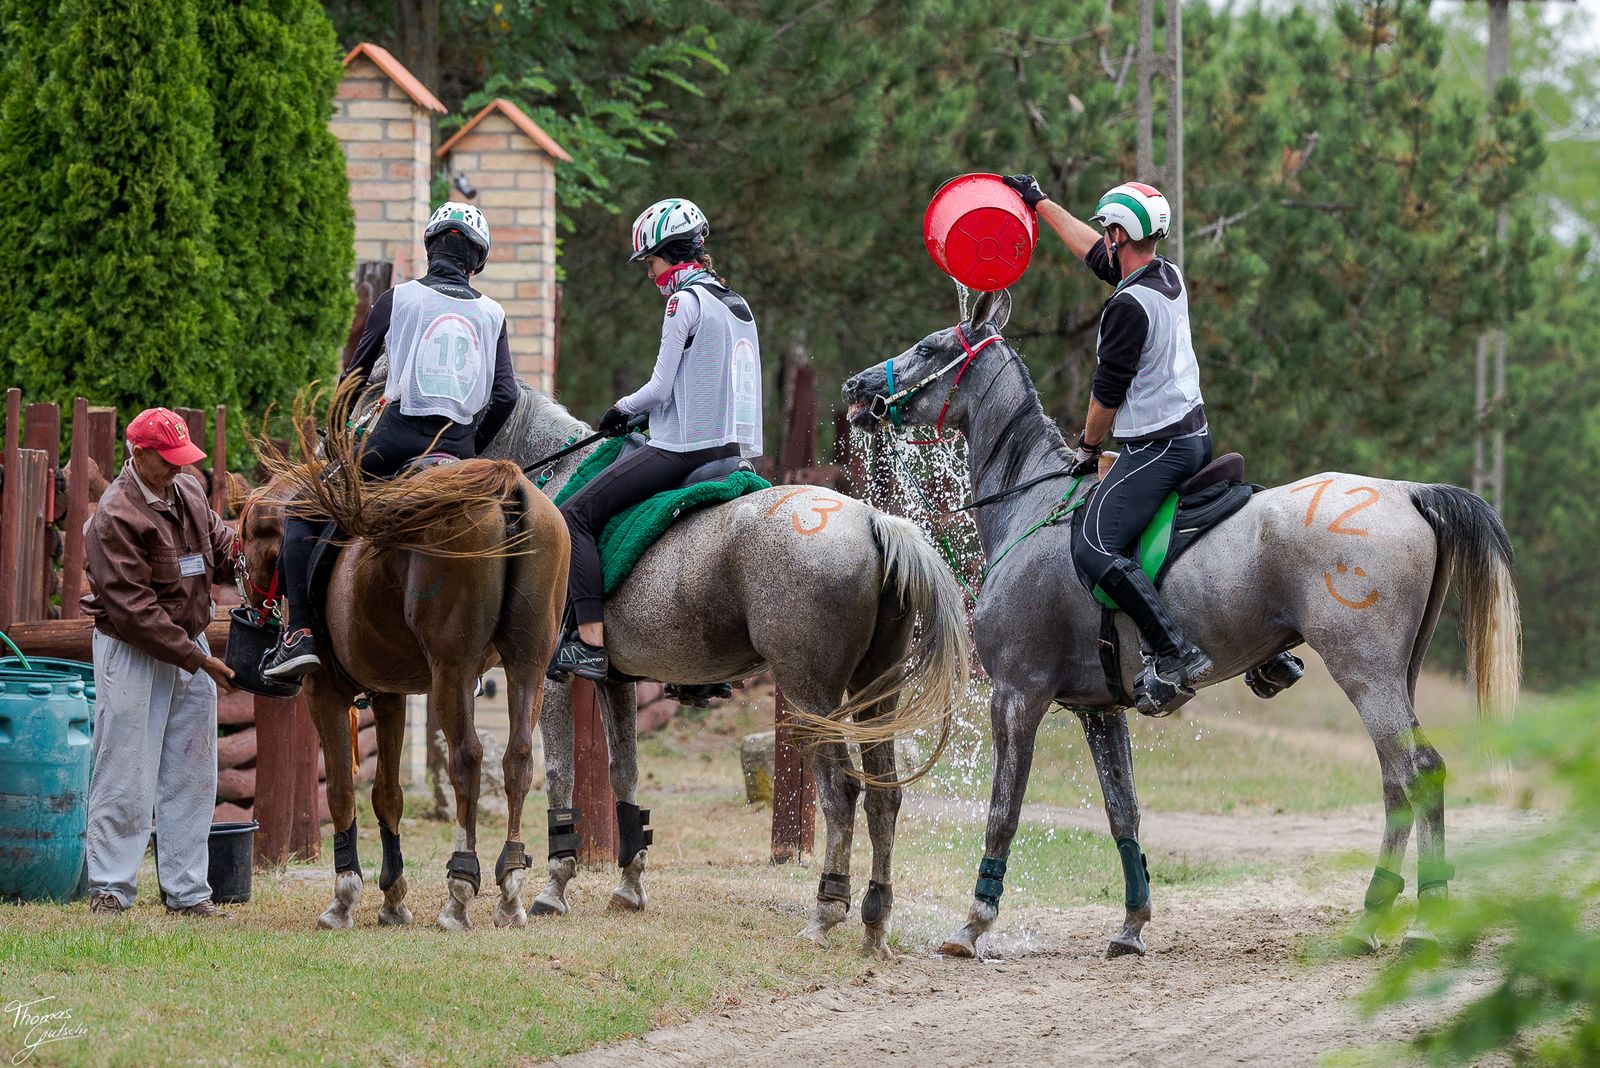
<point x="59" y="666"/>
<point x="44" y="784"/>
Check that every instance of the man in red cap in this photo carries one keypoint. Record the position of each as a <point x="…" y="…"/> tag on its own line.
<point x="153" y="549"/>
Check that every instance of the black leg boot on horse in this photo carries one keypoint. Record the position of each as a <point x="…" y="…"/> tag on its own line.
<point x="1179" y="665"/>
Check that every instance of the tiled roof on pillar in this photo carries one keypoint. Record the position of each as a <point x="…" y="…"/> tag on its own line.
<point x="397" y="73"/>
<point x="519" y="119"/>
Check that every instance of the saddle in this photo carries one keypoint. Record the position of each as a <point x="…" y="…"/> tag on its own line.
<point x="1204" y="500"/>
<point x="710" y="471"/>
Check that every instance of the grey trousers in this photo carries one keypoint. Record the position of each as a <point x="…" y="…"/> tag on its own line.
<point x="155" y="750"/>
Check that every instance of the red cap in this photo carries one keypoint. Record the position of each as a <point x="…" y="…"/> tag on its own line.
<point x="163" y="431"/>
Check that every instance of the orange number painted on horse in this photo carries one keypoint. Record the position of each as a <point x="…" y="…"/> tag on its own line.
<point x="1316" y="498"/>
<point x="1336" y="526"/>
<point x="821" y="509"/>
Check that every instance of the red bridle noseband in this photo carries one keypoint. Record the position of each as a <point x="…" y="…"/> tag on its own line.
<point x="891" y="404"/>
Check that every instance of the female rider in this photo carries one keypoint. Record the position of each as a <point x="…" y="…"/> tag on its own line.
<point x="703" y="401"/>
<point x="449" y="390"/>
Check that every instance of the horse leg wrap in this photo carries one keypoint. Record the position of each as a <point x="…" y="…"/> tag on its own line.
<point x="1382" y="890"/>
<point x="991" y="876"/>
<point x="513" y="857"/>
<point x="563" y="832"/>
<point x="1434" y="875"/>
<point x="875" y="902"/>
<point x="633" y="832"/>
<point x="1135" y="874"/>
<point x="393" y="862"/>
<point x="833" y="887"/>
<point x="344" y="851"/>
<point x="464" y="866"/>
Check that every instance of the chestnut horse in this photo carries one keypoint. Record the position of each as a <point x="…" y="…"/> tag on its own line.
<point x="447" y="570"/>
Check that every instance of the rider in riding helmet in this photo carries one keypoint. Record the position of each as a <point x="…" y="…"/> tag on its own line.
<point x="1146" y="391"/>
<point x="450" y="388"/>
<point x="703" y="402"/>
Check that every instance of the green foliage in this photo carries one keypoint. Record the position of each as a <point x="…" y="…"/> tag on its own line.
<point x="283" y="215"/>
<point x="106" y="206"/>
<point x="173" y="214"/>
<point x="1532" y="928"/>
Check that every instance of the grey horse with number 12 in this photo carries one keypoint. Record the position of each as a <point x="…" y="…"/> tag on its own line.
<point x="853" y="610"/>
<point x="1354" y="566"/>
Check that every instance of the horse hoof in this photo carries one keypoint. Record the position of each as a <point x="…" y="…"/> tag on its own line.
<point x="1356" y="945"/>
<point x="875" y="946"/>
<point x="454" y="919"/>
<point x="958" y="948"/>
<point x="816" y="934"/>
<point x="332" y="920"/>
<point x="543" y="906"/>
<point x="399" y="916"/>
<point x="517" y="917"/>
<point x="1124" y="946"/>
<point x="1419" y="941"/>
<point x="624" y="902"/>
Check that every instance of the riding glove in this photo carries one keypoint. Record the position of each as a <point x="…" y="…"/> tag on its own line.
<point x="614" y="422"/>
<point x="1085" y="460"/>
<point x="1027" y="187"/>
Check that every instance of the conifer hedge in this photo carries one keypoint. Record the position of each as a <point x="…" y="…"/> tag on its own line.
<point x="174" y="222"/>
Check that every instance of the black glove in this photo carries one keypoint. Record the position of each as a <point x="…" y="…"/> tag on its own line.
<point x="1086" y="460"/>
<point x="614" y="422"/>
<point x="1027" y="188"/>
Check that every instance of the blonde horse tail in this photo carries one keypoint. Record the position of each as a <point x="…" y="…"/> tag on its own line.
<point x="931" y="682"/>
<point x="1473" y="543"/>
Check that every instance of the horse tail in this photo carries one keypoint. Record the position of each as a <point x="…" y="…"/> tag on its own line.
<point x="930" y="678"/>
<point x="1474" y="544"/>
<point x="441" y="511"/>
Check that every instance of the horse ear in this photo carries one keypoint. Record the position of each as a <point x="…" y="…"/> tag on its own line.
<point x="993" y="309"/>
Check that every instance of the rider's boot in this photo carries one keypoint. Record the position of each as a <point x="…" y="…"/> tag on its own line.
<point x="1179" y="664"/>
<point x="699" y="695"/>
<point x="574" y="656"/>
<point x="294" y="656"/>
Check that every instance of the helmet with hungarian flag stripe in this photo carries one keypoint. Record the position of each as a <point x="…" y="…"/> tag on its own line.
<point x="1138" y="208"/>
<point x="668" y="220"/>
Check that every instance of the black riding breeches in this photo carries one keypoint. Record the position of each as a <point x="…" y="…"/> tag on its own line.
<point x="397" y="440"/>
<point x="637" y="476"/>
<point x="1129" y="497"/>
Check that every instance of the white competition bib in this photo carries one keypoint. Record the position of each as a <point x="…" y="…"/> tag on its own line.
<point x="450" y="358"/>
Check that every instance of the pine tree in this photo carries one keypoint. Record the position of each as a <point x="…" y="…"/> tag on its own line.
<point x="283" y="215"/>
<point x="107" y="189"/>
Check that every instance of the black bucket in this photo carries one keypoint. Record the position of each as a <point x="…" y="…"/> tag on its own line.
<point x="249" y="642"/>
<point x="230" y="858"/>
<point x="233" y="854"/>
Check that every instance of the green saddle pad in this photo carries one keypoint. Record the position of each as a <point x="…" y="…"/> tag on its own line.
<point x="630" y="532"/>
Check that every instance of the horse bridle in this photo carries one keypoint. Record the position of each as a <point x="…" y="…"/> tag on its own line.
<point x="271" y="603"/>
<point x="890" y="407"/>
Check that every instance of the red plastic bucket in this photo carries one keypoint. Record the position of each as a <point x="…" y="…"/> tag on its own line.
<point x="979" y="231"/>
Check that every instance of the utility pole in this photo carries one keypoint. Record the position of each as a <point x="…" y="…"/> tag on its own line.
<point x="1170" y="175"/>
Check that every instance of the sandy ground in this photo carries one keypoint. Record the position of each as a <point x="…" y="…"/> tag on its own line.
<point x="1232" y="977"/>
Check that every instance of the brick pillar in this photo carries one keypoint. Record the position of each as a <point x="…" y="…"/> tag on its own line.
<point x="384" y="118"/>
<point x="512" y="164"/>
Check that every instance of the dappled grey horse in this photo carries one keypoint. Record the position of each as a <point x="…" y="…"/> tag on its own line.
<point x="834" y="596"/>
<point x="1354" y="566"/>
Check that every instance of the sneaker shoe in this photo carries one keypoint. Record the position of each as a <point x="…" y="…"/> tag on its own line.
<point x="200" y="910"/>
<point x="577" y="657"/>
<point x="294" y="657"/>
<point x="699" y="695"/>
<point x="106" y="904"/>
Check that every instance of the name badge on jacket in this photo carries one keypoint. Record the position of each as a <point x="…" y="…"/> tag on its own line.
<point x="191" y="565"/>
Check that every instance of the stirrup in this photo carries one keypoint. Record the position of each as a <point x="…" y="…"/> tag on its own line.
<point x="1269" y="679"/>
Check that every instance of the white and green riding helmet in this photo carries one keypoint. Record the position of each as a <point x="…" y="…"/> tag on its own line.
<point x="1138" y="208"/>
<point x="454" y="215"/>
<point x="664" y="221"/>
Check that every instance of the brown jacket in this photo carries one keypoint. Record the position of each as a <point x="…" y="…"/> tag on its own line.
<point x="136" y="590"/>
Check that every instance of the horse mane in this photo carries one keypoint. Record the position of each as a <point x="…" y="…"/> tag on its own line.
<point x="532" y="409"/>
<point x="1027" y="428"/>
<point x="437" y="511"/>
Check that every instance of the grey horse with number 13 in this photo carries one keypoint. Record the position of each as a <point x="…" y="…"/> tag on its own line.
<point x="1354" y="566"/>
<point x="853" y="610"/>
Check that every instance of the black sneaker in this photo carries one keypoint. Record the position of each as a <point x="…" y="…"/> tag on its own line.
<point x="294" y="657"/>
<point x="699" y="695"/>
<point x="577" y="657"/>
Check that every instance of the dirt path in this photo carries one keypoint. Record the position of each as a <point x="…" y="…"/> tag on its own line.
<point x="1228" y="979"/>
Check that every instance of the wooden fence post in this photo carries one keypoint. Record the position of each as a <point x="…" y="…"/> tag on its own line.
<point x="103" y="440"/>
<point x="77" y="512"/>
<point x="219" y="462"/>
<point x="11" y="520"/>
<point x="794" y="791"/>
<point x="42" y="431"/>
<point x="591" y="782"/>
<point x="286" y="782"/>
